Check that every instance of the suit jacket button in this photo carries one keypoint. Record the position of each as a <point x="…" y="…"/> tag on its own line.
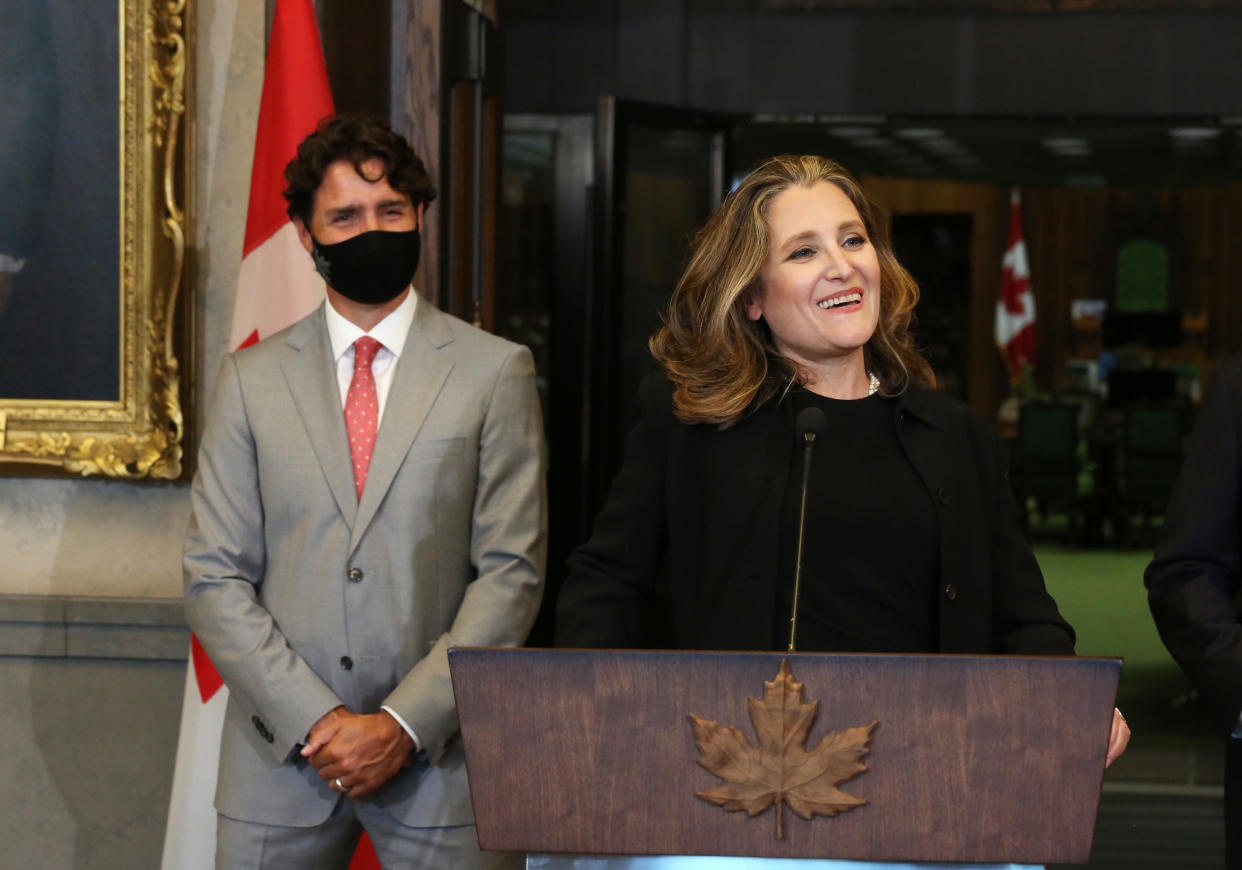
<point x="262" y="729"/>
<point x="347" y="663"/>
<point x="950" y="591"/>
<point x="355" y="575"/>
<point x="943" y="495"/>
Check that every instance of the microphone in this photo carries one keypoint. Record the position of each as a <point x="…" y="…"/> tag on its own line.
<point x="811" y="425"/>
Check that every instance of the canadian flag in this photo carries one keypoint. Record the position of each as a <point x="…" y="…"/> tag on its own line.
<point x="277" y="286"/>
<point x="1015" y="309"/>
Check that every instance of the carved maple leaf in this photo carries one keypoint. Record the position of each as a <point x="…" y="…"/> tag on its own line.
<point x="781" y="770"/>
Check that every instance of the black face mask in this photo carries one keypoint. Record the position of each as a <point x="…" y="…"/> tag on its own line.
<point x="371" y="268"/>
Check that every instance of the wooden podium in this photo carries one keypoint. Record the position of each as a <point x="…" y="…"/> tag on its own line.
<point x="974" y="759"/>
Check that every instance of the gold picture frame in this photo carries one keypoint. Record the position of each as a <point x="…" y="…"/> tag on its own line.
<point x="140" y="433"/>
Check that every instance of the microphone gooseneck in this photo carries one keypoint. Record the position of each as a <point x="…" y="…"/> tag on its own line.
<point x="811" y="425"/>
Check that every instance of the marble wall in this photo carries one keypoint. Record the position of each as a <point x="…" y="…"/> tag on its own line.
<point x="85" y="785"/>
<point x="92" y="642"/>
<point x="104" y="538"/>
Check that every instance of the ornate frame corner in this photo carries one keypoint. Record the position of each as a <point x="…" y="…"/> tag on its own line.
<point x="140" y="434"/>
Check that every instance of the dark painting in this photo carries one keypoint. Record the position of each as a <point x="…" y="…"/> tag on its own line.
<point x="60" y="281"/>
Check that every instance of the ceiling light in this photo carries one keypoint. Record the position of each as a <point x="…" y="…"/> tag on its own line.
<point x="1064" y="143"/>
<point x="943" y="147"/>
<point x="1193" y="135"/>
<point x="851" y="132"/>
<point x="856" y="120"/>
<point x="877" y="142"/>
<point x="1067" y="146"/>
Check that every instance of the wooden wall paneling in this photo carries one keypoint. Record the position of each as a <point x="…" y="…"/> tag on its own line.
<point x="1220" y="304"/>
<point x="1202" y="212"/>
<point x="357" y="47"/>
<point x="450" y="73"/>
<point x="493" y="141"/>
<point x="1047" y="264"/>
<point x="991" y="230"/>
<point x="485" y="178"/>
<point x="1225" y="320"/>
<point x="460" y="198"/>
<point x="1055" y="225"/>
<point x="491" y="196"/>
<point x="1212" y="262"/>
<point x="417" y="115"/>
<point x="1073" y="255"/>
<point x="1230" y="319"/>
<point x="472" y="72"/>
<point x="1071" y="251"/>
<point x="1207" y="270"/>
<point x="1215" y="279"/>
<point x="988" y="207"/>
<point x="1214" y="284"/>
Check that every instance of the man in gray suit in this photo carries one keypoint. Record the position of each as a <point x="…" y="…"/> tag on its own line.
<point x="370" y="493"/>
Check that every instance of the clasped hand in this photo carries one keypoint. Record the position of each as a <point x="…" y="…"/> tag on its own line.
<point x="361" y="750"/>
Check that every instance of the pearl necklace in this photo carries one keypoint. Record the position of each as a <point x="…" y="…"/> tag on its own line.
<point x="873" y="385"/>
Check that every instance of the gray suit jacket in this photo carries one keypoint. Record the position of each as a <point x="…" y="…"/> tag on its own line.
<point x="306" y="598"/>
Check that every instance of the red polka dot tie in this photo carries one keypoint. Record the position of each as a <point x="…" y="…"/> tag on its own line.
<point x="362" y="409"/>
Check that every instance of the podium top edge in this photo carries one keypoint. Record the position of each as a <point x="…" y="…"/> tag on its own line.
<point x="472" y="651"/>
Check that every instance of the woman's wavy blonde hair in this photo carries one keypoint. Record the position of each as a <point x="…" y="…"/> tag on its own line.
<point x="721" y="362"/>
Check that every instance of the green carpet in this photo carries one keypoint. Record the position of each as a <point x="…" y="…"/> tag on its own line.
<point x="1101" y="594"/>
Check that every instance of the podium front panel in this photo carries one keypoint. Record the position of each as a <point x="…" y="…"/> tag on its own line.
<point x="990" y="759"/>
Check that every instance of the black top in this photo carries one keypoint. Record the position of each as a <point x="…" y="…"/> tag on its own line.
<point x="871" y="556"/>
<point x="688" y="542"/>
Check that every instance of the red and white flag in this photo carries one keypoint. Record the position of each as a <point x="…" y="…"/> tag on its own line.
<point x="277" y="286"/>
<point x="1015" y="309"/>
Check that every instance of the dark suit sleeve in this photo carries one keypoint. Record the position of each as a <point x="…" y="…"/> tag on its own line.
<point x="1025" y="619"/>
<point x="611" y="577"/>
<point x="1192" y="581"/>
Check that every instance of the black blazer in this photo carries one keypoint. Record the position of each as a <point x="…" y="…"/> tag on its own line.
<point x="690" y="534"/>
<point x="1193" y="580"/>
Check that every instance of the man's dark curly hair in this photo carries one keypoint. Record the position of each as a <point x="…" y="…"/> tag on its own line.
<point x="356" y="138"/>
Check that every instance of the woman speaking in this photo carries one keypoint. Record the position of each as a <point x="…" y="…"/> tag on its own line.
<point x="793" y="300"/>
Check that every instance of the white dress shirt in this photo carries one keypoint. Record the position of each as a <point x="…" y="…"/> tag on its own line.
<point x="389" y="332"/>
